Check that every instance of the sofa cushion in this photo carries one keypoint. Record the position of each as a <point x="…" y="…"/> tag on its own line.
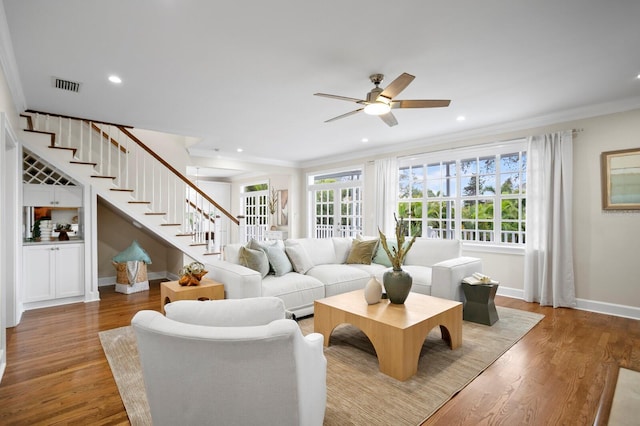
<point x="421" y="276"/>
<point x="254" y="259"/>
<point x="296" y="290"/>
<point x="320" y="250"/>
<point x="339" y="279"/>
<point x="252" y="311"/>
<point x="429" y="251"/>
<point x="372" y="269"/>
<point x="298" y="256"/>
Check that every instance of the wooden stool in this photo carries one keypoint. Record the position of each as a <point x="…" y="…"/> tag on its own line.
<point x="170" y="291"/>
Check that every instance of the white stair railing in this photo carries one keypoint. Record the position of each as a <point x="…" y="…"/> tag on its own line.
<point x="119" y="156"/>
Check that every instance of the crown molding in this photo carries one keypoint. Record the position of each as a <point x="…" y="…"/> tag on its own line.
<point x="579" y="113"/>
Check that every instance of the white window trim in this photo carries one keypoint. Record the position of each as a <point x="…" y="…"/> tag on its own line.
<point x="337" y="186"/>
<point x="458" y="154"/>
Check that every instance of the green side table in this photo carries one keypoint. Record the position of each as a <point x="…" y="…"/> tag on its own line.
<point x="480" y="306"/>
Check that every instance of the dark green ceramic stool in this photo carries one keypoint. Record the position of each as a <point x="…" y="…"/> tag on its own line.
<point x="480" y="306"/>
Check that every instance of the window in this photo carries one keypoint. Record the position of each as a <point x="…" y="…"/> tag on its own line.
<point x="336" y="204"/>
<point x="475" y="194"/>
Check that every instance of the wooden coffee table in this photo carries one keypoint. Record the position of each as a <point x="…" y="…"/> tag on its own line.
<point x="397" y="332"/>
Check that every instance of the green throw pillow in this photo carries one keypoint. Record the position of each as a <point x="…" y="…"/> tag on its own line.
<point x="254" y="259"/>
<point x="381" y="256"/>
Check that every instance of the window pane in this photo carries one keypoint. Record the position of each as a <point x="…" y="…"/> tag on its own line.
<point x="434" y="171"/>
<point x="469" y="209"/>
<point x="487" y="185"/>
<point x="469" y="186"/>
<point x="404" y="179"/>
<point x="488" y="165"/>
<point x="469" y="167"/>
<point x="510" y="163"/>
<point x="417" y="189"/>
<point x="485" y="209"/>
<point x="434" y="188"/>
<point x="449" y="187"/>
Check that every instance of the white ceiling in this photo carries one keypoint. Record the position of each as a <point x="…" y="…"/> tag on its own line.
<point x="243" y="74"/>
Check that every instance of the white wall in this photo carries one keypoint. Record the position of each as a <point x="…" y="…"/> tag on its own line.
<point x="606" y="245"/>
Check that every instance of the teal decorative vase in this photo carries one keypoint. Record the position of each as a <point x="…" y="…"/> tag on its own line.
<point x="397" y="283"/>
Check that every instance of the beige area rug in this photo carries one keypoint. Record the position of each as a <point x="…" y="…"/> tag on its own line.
<point x="357" y="392"/>
<point x="626" y="399"/>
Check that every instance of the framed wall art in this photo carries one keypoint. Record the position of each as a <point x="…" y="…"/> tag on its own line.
<point x="620" y="175"/>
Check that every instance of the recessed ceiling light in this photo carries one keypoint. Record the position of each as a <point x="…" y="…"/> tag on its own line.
<point x="461" y="118"/>
<point x="365" y="140"/>
<point x="638" y="76"/>
<point x="239" y="150"/>
<point x="115" y="79"/>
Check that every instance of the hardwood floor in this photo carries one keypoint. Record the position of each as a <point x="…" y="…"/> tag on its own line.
<point x="57" y="372"/>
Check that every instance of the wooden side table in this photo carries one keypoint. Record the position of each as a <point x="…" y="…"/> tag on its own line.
<point x="170" y="291"/>
<point x="480" y="306"/>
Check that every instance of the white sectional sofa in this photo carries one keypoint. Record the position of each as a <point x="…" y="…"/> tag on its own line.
<point x="318" y="268"/>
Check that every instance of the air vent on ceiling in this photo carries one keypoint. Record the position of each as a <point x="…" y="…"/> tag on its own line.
<point x="71" y="86"/>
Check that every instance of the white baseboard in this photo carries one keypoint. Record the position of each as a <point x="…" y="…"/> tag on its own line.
<point x="632" y="312"/>
<point x="103" y="281"/>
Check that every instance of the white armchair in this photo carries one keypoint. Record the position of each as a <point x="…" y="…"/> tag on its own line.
<point x="230" y="362"/>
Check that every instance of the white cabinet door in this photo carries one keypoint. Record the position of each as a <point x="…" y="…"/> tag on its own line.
<point x="53" y="271"/>
<point x="37" y="195"/>
<point x="69" y="270"/>
<point x="37" y="273"/>
<point x="51" y="195"/>
<point x="68" y="196"/>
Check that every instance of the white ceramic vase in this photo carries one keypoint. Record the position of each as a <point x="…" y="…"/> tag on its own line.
<point x="373" y="291"/>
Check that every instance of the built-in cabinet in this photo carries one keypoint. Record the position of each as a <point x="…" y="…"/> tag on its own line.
<point x="52" y="195"/>
<point x="53" y="271"/>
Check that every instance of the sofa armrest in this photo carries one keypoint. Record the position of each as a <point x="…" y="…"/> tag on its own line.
<point x="446" y="276"/>
<point x="239" y="282"/>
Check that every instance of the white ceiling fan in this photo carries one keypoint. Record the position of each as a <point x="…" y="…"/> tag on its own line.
<point x="380" y="101"/>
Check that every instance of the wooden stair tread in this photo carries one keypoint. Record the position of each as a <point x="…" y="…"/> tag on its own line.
<point x="139" y="202"/>
<point x="212" y="253"/>
<point x="84" y="163"/>
<point x="103" y="177"/>
<point x="66" y="148"/>
<point x="170" y="224"/>
<point x="197" y="244"/>
<point x="154" y="214"/>
<point x="121" y="189"/>
<point x="185" y="235"/>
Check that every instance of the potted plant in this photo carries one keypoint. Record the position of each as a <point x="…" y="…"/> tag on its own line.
<point x="35" y="231"/>
<point x="397" y="282"/>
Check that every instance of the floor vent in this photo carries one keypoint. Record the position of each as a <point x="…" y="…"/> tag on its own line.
<point x="71" y="86"/>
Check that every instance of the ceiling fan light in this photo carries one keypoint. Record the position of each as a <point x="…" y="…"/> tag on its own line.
<point x="377" y="108"/>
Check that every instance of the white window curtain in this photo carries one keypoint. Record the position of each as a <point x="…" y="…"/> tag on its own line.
<point x="548" y="266"/>
<point x="386" y="194"/>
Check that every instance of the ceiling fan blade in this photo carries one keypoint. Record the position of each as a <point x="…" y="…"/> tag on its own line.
<point x="344" y="115"/>
<point x="421" y="103"/>
<point x="397" y="86"/>
<point x="389" y="118"/>
<point x="342" y="98"/>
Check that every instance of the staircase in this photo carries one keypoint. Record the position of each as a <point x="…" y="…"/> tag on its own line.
<point x="123" y="171"/>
